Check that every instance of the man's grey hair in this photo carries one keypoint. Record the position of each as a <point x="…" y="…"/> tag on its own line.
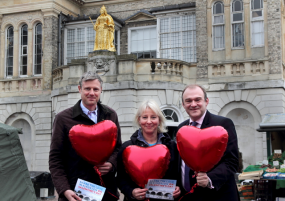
<point x="89" y="76"/>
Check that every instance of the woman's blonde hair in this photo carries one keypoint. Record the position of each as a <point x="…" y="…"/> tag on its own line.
<point x="151" y="104"/>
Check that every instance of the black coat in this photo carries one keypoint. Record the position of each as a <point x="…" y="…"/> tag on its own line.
<point x="66" y="166"/>
<point x="222" y="175"/>
<point x="126" y="184"/>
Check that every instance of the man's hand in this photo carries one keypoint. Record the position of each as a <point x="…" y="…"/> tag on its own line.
<point x="202" y="179"/>
<point x="105" y="168"/>
<point x="176" y="192"/>
<point x="71" y="196"/>
<point x="139" y="194"/>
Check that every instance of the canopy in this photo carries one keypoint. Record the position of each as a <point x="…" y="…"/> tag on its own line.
<point x="15" y="182"/>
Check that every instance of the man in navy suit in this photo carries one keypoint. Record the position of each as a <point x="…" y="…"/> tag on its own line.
<point x="218" y="184"/>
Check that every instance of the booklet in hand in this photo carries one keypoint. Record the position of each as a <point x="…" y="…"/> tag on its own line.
<point x="89" y="191"/>
<point x="160" y="189"/>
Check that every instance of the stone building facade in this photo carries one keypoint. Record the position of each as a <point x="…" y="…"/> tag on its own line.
<point x="244" y="79"/>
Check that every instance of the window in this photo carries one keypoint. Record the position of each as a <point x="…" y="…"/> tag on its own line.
<point x="218" y="26"/>
<point x="80" y="41"/>
<point x="9" y="51"/>
<point x="143" y="42"/>
<point x="170" y="115"/>
<point x="237" y="24"/>
<point x="38" y="53"/>
<point x="24" y="50"/>
<point x="257" y="29"/>
<point x="178" y="37"/>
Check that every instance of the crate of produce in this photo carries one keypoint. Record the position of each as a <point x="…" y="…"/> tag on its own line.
<point x="264" y="190"/>
<point x="246" y="192"/>
<point x="268" y="175"/>
<point x="281" y="176"/>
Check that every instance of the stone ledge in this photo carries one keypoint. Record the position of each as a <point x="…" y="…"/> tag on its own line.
<point x="25" y="99"/>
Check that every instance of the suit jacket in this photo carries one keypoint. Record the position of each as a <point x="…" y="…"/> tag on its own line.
<point x="222" y="175"/>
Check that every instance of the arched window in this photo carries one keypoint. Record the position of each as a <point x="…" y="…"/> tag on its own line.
<point x="9" y="51"/>
<point x="38" y="53"/>
<point x="24" y="50"/>
<point x="237" y="23"/>
<point x="170" y="115"/>
<point x="218" y="26"/>
<point x="257" y="28"/>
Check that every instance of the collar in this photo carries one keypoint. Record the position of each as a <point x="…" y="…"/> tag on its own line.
<point x="141" y="138"/>
<point x="85" y="110"/>
<point x="102" y="109"/>
<point x="199" y="121"/>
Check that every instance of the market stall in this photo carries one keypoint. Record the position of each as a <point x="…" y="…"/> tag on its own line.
<point x="266" y="179"/>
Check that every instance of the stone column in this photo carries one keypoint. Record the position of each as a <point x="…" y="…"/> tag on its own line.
<point x="16" y="53"/>
<point x="2" y="49"/>
<point x="228" y="36"/>
<point x="50" y="37"/>
<point x="265" y="28"/>
<point x="202" y="40"/>
<point x="210" y="33"/>
<point x="247" y="36"/>
<point x="30" y="51"/>
<point x="274" y="36"/>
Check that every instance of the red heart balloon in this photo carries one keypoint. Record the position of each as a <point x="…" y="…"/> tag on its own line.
<point x="201" y="149"/>
<point x="94" y="143"/>
<point x="144" y="163"/>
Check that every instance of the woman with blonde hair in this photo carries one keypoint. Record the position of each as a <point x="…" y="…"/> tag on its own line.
<point x="152" y="131"/>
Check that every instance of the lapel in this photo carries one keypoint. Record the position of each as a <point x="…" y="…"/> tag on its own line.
<point x="207" y="120"/>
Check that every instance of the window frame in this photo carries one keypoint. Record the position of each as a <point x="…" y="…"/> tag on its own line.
<point x="84" y="24"/>
<point x="21" y="49"/>
<point x="130" y="29"/>
<point x="34" y="49"/>
<point x="218" y="24"/>
<point x="259" y="19"/>
<point x="6" y="49"/>
<point x="179" y="14"/>
<point x="237" y="22"/>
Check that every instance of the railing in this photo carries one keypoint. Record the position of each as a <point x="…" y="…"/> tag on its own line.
<point x="21" y="84"/>
<point x="249" y="68"/>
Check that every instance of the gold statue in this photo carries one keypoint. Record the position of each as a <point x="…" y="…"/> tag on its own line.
<point x="104" y="28"/>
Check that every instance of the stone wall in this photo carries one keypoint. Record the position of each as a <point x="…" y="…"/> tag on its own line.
<point x="50" y="49"/>
<point x="35" y="119"/>
<point x="202" y="39"/>
<point x="246" y="108"/>
<point x="124" y="10"/>
<point x="274" y="36"/>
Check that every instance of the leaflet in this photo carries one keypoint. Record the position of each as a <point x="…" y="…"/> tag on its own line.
<point x="89" y="191"/>
<point x="160" y="189"/>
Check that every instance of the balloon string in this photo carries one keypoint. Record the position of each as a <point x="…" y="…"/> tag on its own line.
<point x="101" y="180"/>
<point x="100" y="175"/>
<point x="192" y="189"/>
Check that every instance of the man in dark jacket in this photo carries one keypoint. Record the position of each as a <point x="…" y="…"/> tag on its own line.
<point x="218" y="184"/>
<point x="65" y="165"/>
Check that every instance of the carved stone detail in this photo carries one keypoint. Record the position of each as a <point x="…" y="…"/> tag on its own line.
<point x="202" y="72"/>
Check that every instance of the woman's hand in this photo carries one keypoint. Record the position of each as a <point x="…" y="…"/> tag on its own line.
<point x="176" y="192"/>
<point x="71" y="195"/>
<point x="139" y="193"/>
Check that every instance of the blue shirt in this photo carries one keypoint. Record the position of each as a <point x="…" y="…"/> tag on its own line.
<point x="91" y="114"/>
<point x="141" y="138"/>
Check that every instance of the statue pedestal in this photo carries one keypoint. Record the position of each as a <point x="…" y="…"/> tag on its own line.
<point x="104" y="63"/>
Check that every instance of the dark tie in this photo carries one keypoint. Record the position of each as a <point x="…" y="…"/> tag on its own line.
<point x="187" y="169"/>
